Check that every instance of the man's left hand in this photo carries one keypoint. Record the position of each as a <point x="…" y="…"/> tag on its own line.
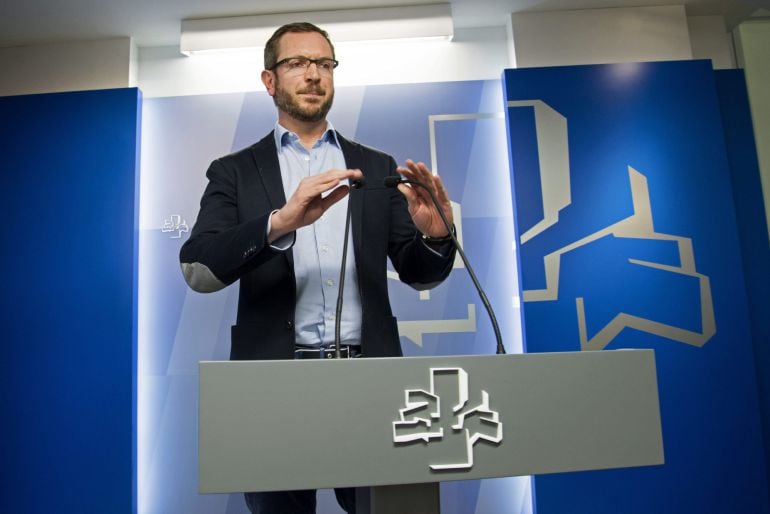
<point x="424" y="214"/>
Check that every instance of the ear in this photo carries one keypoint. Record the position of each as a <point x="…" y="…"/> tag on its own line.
<point x="268" y="79"/>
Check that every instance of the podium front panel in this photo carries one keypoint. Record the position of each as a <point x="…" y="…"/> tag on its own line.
<point x="282" y="425"/>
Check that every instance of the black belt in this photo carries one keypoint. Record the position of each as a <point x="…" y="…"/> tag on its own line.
<point x="327" y="352"/>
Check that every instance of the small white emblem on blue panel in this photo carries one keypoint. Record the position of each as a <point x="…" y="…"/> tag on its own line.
<point x="176" y="225"/>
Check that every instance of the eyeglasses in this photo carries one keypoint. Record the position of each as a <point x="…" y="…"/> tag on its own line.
<point x="300" y="64"/>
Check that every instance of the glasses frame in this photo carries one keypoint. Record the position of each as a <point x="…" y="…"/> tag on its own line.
<point x="310" y="61"/>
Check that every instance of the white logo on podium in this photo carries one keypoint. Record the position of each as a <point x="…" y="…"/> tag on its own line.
<point x="420" y="419"/>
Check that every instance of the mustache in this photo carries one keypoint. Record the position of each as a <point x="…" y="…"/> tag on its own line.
<point x="318" y="90"/>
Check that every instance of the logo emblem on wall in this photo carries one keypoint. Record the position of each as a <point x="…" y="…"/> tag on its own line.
<point x="680" y="270"/>
<point x="423" y="419"/>
<point x="176" y="225"/>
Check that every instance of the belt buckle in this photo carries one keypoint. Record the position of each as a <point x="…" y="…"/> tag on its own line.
<point x="323" y="352"/>
<point x="330" y="353"/>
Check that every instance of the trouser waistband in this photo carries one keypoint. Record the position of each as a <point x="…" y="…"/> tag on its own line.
<point x="347" y="351"/>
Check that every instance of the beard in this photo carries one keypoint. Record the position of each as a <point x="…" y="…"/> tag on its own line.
<point x="290" y="104"/>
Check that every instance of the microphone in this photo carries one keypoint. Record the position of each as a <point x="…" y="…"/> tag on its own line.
<point x="394" y="181"/>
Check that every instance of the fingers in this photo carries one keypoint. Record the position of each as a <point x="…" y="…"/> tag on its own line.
<point x="416" y="171"/>
<point x="420" y="173"/>
<point x="421" y="206"/>
<point x="334" y="197"/>
<point x="409" y="192"/>
<point x="443" y="198"/>
<point x="310" y="201"/>
<point x="311" y="187"/>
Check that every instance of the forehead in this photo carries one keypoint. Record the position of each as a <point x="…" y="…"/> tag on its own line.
<point x="309" y="44"/>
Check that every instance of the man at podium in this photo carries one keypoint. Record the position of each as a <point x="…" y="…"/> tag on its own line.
<point x="273" y="216"/>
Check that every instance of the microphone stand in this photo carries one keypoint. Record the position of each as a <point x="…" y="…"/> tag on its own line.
<point x="338" y="313"/>
<point x="395" y="181"/>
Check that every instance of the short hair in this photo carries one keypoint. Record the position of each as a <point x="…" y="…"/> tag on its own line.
<point x="271" y="47"/>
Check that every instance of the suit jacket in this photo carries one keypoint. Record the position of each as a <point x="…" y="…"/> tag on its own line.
<point x="228" y="242"/>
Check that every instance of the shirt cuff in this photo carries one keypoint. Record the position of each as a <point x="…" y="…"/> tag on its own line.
<point x="284" y="242"/>
<point x="440" y="248"/>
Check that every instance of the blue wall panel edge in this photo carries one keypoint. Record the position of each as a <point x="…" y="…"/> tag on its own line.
<point x="752" y="226"/>
<point x="135" y="310"/>
<point x="69" y="304"/>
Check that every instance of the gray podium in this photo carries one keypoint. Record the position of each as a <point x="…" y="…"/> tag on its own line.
<point x="396" y="427"/>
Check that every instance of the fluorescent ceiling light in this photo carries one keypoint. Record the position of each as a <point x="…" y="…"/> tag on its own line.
<point x="379" y="23"/>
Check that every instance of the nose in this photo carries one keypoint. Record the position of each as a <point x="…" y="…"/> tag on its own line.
<point x="311" y="72"/>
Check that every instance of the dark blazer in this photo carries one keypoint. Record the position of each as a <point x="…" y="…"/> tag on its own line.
<point x="228" y="242"/>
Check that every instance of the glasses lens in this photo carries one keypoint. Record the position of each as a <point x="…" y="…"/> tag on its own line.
<point x="297" y="64"/>
<point x="326" y="65"/>
<point x="294" y="65"/>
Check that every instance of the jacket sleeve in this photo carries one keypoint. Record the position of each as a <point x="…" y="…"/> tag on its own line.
<point x="223" y="247"/>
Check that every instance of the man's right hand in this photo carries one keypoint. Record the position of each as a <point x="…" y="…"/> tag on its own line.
<point x="308" y="202"/>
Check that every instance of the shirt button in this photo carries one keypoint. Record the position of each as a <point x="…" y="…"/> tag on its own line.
<point x="289" y="324"/>
<point x="329" y="282"/>
<point x="330" y="316"/>
<point x="307" y="158"/>
<point x="324" y="249"/>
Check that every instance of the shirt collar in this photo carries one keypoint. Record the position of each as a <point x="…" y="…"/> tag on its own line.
<point x="285" y="137"/>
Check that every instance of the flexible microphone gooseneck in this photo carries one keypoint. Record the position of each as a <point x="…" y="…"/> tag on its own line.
<point x="395" y="181"/>
<point x="357" y="184"/>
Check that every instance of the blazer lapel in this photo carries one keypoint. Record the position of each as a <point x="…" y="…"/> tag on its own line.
<point x="265" y="157"/>
<point x="269" y="170"/>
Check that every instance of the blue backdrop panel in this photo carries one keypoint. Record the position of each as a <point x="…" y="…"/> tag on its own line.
<point x="629" y="240"/>
<point x="69" y="255"/>
<point x="752" y="225"/>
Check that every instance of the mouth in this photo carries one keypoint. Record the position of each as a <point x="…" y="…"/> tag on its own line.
<point x="311" y="92"/>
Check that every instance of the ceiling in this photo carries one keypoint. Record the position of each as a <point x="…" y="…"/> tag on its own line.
<point x="157" y="22"/>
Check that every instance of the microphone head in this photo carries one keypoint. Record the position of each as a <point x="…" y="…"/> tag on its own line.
<point x="392" y="181"/>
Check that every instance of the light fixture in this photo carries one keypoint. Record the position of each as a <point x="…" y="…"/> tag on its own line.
<point x="369" y="24"/>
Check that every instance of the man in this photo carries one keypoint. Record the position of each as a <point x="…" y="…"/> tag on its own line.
<point x="287" y="253"/>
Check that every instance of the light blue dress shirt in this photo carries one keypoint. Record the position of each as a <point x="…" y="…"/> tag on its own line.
<point x="317" y="248"/>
